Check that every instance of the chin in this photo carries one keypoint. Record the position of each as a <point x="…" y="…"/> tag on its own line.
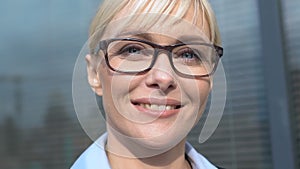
<point x="145" y="141"/>
<point x="161" y="143"/>
<point x="163" y="139"/>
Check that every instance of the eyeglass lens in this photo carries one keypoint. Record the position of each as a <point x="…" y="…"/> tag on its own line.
<point x="135" y="56"/>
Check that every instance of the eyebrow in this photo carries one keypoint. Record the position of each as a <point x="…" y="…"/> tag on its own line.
<point x="140" y="34"/>
<point x="193" y="38"/>
<point x="134" y="32"/>
<point x="149" y="36"/>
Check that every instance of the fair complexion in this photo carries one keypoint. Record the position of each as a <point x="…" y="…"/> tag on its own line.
<point x="139" y="135"/>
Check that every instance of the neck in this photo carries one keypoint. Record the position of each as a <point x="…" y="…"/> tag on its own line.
<point x="121" y="156"/>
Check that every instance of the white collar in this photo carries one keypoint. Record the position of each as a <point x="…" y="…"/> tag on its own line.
<point x="95" y="157"/>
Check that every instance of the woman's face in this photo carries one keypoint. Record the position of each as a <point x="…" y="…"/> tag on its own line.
<point x="160" y="106"/>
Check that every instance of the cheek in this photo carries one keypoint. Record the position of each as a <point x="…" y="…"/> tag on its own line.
<point x="204" y="89"/>
<point x="116" y="92"/>
<point x="121" y="85"/>
<point x="198" y="96"/>
<point x="198" y="90"/>
<point x="114" y="84"/>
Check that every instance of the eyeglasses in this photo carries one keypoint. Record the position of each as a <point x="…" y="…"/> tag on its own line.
<point x="131" y="56"/>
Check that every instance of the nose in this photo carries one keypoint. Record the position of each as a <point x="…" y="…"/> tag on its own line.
<point x="161" y="76"/>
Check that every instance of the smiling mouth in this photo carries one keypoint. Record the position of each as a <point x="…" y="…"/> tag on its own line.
<point x="157" y="107"/>
<point x="162" y="108"/>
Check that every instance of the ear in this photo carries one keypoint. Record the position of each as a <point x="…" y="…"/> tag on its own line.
<point x="92" y="71"/>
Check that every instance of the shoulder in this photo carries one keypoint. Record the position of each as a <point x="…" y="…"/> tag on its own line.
<point x="197" y="160"/>
<point x="94" y="156"/>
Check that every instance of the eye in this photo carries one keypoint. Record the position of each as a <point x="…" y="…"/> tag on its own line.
<point x="187" y="54"/>
<point x="131" y="49"/>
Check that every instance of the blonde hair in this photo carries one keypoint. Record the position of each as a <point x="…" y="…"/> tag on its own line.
<point x="110" y="8"/>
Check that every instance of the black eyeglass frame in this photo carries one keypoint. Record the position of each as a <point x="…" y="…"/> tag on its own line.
<point x="103" y="45"/>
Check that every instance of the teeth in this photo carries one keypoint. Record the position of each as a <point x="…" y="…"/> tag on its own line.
<point x="162" y="107"/>
<point x="169" y="107"/>
<point x="157" y="107"/>
<point x="147" y="106"/>
<point x="154" y="107"/>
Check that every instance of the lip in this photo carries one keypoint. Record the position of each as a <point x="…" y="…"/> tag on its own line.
<point x="157" y="113"/>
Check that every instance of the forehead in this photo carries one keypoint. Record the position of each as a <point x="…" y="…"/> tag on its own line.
<point x="176" y="22"/>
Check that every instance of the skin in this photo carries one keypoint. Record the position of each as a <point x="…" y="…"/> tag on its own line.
<point x="138" y="138"/>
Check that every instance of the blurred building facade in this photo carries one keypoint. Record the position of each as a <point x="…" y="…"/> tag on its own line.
<point x="242" y="139"/>
<point x="291" y="27"/>
<point x="250" y="126"/>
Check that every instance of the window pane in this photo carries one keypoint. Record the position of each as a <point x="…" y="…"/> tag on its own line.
<point x="39" y="43"/>
<point x="242" y="139"/>
<point x="291" y="27"/>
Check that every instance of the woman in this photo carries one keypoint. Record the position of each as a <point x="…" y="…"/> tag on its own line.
<point x="152" y="62"/>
